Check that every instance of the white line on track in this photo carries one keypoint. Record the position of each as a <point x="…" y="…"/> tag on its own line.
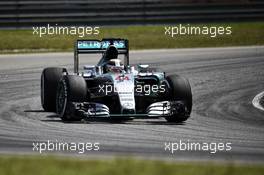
<point x="256" y="101"/>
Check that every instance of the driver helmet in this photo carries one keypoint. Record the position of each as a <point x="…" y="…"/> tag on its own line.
<point x="111" y="53"/>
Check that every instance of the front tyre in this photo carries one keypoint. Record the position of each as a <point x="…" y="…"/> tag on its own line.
<point x="181" y="94"/>
<point x="72" y="88"/>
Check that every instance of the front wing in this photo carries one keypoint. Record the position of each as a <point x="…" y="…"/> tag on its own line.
<point x="155" y="110"/>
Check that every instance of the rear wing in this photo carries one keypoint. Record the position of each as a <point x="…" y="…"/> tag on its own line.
<point x="99" y="46"/>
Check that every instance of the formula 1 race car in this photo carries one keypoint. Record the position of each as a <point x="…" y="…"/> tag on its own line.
<point x="113" y="88"/>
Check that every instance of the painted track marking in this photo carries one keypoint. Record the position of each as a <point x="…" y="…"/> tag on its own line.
<point x="256" y="101"/>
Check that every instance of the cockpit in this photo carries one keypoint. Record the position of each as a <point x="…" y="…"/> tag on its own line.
<point x="110" y="61"/>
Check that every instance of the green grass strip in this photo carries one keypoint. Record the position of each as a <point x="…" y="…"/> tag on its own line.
<point x="43" y="165"/>
<point x="140" y="37"/>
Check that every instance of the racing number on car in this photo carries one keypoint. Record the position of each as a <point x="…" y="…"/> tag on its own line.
<point x="122" y="78"/>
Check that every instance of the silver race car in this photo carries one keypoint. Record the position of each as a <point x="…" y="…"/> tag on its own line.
<point x="113" y="88"/>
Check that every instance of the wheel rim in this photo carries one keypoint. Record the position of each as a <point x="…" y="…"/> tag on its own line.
<point x="61" y="100"/>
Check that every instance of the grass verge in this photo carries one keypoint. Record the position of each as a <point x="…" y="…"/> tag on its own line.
<point x="140" y="37"/>
<point x="32" y="165"/>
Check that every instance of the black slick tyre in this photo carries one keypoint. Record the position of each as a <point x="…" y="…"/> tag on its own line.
<point x="72" y="88"/>
<point x="180" y="90"/>
<point x="50" y="78"/>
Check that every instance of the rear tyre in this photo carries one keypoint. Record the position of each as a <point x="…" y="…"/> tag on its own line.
<point x="50" y="78"/>
<point x="71" y="89"/>
<point x="180" y="90"/>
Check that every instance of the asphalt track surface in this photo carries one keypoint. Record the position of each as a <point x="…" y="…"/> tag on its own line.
<point x="224" y="81"/>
